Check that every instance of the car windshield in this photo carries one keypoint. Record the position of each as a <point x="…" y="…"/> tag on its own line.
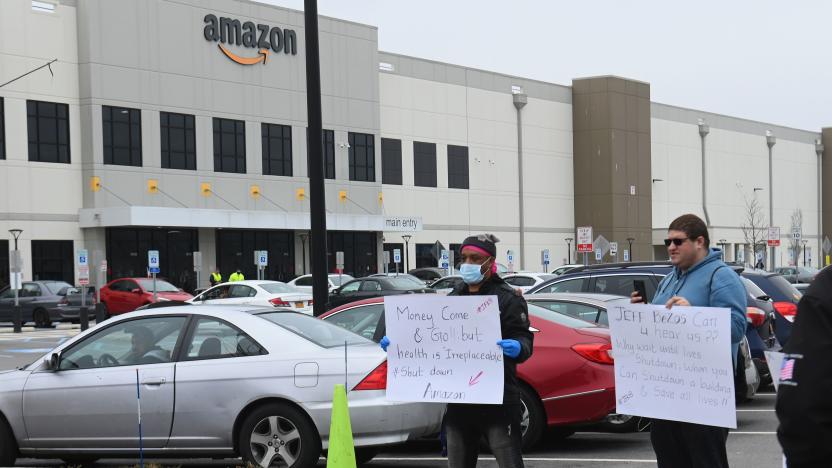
<point x="56" y="286"/>
<point x="338" y="280"/>
<point x="807" y="270"/>
<point x="323" y="334"/>
<point x="402" y="282"/>
<point x="752" y="288"/>
<point x="277" y="288"/>
<point x="552" y="316"/>
<point x="161" y="285"/>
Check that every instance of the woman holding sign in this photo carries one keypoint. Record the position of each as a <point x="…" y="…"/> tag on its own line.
<point x="466" y="424"/>
<point x="700" y="278"/>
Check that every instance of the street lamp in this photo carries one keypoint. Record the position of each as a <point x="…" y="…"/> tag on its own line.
<point x="722" y="243"/>
<point x="303" y="237"/>
<point x="568" y="250"/>
<point x="16" y="267"/>
<point x="630" y="241"/>
<point x="704" y="129"/>
<point x="770" y="142"/>
<point x="406" y="238"/>
<point x="819" y="152"/>
<point x="804" y="241"/>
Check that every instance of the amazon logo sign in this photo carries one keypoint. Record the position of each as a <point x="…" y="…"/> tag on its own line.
<point x="263" y="38"/>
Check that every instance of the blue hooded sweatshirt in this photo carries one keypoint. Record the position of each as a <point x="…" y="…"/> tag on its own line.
<point x="709" y="283"/>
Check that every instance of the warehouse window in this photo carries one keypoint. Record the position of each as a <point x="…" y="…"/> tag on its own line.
<point x="48" y="128"/>
<point x="391" y="161"/>
<point x="2" y="131"/>
<point x="362" y="157"/>
<point x="122" y="129"/>
<point x="277" y="149"/>
<point x="229" y="146"/>
<point x="424" y="164"/>
<point x="178" y="141"/>
<point x="457" y="167"/>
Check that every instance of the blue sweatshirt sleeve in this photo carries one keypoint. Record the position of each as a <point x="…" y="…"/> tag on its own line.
<point x="727" y="291"/>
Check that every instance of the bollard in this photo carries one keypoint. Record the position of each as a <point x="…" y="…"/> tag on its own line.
<point x="85" y="318"/>
<point x="99" y="313"/>
<point x="17" y="318"/>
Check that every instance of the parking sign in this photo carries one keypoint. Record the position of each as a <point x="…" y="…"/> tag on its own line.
<point x="82" y="258"/>
<point x="585" y="239"/>
<point x="599" y="254"/>
<point x="397" y="255"/>
<point x="613" y="248"/>
<point x="773" y="236"/>
<point x="545" y="256"/>
<point x="263" y="258"/>
<point x="444" y="259"/>
<point x="153" y="261"/>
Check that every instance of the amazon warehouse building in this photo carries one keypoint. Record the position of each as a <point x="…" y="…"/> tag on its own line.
<point x="180" y="126"/>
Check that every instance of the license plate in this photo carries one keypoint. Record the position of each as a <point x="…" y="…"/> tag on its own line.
<point x="299" y="305"/>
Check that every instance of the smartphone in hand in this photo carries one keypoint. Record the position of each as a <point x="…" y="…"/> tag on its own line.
<point x="641" y="290"/>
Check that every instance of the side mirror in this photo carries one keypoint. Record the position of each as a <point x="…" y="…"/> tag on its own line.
<point x="53" y="362"/>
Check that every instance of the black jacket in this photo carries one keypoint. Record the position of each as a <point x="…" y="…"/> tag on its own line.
<point x="804" y="403"/>
<point x="514" y="324"/>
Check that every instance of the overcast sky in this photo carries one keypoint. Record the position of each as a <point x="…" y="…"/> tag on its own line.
<point x="763" y="60"/>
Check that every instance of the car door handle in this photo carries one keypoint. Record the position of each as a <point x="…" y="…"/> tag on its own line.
<point x="153" y="381"/>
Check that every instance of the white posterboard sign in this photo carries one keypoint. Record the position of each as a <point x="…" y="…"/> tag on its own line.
<point x="444" y="349"/>
<point x="673" y="364"/>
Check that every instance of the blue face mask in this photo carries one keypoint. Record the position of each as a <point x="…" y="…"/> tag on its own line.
<point x="471" y="273"/>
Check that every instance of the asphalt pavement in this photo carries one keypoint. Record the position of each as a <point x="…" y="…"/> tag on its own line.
<point x="753" y="444"/>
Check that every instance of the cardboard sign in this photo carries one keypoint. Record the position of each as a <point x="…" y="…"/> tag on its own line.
<point x="673" y="364"/>
<point x="444" y="349"/>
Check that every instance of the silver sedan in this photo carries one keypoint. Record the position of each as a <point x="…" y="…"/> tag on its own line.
<point x="219" y="381"/>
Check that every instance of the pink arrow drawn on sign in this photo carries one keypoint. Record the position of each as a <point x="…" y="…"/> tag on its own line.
<point x="474" y="380"/>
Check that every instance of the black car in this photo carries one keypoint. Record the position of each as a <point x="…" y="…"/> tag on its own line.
<point x="428" y="274"/>
<point x="375" y="286"/>
<point x="784" y="298"/>
<point x="44" y="302"/>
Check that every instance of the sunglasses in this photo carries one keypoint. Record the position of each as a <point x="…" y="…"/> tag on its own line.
<point x="676" y="242"/>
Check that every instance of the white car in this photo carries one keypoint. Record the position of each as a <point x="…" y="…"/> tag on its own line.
<point x="527" y="280"/>
<point x="258" y="293"/>
<point x="304" y="283"/>
<point x="446" y="284"/>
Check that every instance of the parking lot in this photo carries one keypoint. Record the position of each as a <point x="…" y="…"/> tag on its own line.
<point x="752" y="444"/>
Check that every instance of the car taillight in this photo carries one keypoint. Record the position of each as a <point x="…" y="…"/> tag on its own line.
<point x="278" y="302"/>
<point x="311" y="302"/>
<point x="787" y="309"/>
<point x="595" y="352"/>
<point x="375" y="380"/>
<point x="64" y="301"/>
<point x="755" y="315"/>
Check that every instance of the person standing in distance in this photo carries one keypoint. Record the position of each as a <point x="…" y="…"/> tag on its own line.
<point x="699" y="278"/>
<point x="215" y="277"/>
<point x="466" y="424"/>
<point x="237" y="276"/>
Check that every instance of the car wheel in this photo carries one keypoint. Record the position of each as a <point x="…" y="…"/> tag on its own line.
<point x="79" y="461"/>
<point x="620" y="423"/>
<point x="740" y="384"/>
<point x="41" y="318"/>
<point x="106" y="310"/>
<point x="279" y="435"/>
<point x="365" y="454"/>
<point x="8" y="446"/>
<point x="533" y="417"/>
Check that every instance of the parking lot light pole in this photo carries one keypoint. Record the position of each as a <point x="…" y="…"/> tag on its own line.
<point x="722" y="243"/>
<point x="568" y="250"/>
<point x="819" y="152"/>
<point x="770" y="142"/>
<point x="16" y="316"/>
<point x="630" y="241"/>
<point x="406" y="238"/>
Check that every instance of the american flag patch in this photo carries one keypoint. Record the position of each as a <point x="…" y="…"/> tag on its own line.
<point x="787" y="370"/>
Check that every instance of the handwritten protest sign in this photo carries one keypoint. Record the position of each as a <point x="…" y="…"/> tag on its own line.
<point x="673" y="364"/>
<point x="444" y="349"/>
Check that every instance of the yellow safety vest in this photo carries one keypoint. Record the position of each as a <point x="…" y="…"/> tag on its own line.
<point x="216" y="277"/>
<point x="236" y="277"/>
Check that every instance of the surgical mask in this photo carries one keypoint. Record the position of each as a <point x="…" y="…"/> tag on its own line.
<point x="471" y="273"/>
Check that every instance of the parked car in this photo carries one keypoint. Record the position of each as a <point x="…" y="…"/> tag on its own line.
<point x="376" y="286"/>
<point x="428" y="274"/>
<point x="568" y="381"/>
<point x="304" y="283"/>
<point x="446" y="284"/>
<point x="44" y="302"/>
<point x="221" y="381"/>
<point x="526" y="280"/>
<point x="593" y="308"/>
<point x="784" y="298"/>
<point x="262" y="293"/>
<point x="608" y="278"/>
<point x="404" y="276"/>
<point x="797" y="274"/>
<point x="566" y="268"/>
<point x="761" y="318"/>
<point x="801" y="287"/>
<point x="127" y="294"/>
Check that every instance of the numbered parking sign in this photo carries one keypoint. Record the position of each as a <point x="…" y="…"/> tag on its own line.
<point x="263" y="258"/>
<point x="153" y="261"/>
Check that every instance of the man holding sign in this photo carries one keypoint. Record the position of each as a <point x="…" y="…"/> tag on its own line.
<point x="700" y="278"/>
<point x="465" y="423"/>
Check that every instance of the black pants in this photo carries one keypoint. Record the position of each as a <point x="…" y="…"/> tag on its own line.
<point x="686" y="445"/>
<point x="466" y="425"/>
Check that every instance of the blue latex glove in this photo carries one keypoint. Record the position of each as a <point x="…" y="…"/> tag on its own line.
<point x="385" y="342"/>
<point x="511" y="348"/>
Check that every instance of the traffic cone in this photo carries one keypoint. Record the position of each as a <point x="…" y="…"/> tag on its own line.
<point x="341" y="452"/>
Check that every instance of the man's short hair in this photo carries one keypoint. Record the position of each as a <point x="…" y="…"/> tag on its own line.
<point x="691" y="225"/>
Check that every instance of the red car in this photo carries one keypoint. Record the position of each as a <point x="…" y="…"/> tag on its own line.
<point x="569" y="379"/>
<point x="126" y="294"/>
